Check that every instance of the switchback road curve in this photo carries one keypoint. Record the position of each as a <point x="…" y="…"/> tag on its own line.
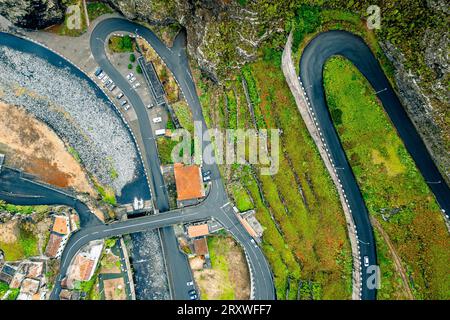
<point x="314" y="57"/>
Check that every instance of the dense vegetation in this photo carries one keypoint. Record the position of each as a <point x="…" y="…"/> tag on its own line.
<point x="393" y="189"/>
<point x="121" y="44"/>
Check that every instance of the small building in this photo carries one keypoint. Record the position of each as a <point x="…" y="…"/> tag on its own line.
<point x="85" y="268"/>
<point x="251" y="224"/>
<point x="61" y="225"/>
<point x="201" y="247"/>
<point x="17" y="280"/>
<point x="29" y="286"/>
<point x="188" y="180"/>
<point x="7" y="273"/>
<point x="199" y="230"/>
<point x="34" y="269"/>
<point x="58" y="236"/>
<point x="84" y="264"/>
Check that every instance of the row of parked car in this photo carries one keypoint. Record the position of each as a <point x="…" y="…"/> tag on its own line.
<point x="109" y="84"/>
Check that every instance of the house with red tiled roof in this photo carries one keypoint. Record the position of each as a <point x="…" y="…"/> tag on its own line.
<point x="188" y="181"/>
<point x="201" y="247"/>
<point x="198" y="230"/>
<point x="61" y="225"/>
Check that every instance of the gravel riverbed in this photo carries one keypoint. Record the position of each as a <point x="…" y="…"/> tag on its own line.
<point x="72" y="108"/>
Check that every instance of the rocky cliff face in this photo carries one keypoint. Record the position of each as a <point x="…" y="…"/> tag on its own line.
<point x="33" y="14"/>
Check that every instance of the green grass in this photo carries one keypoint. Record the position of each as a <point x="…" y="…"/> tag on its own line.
<point x="242" y="199"/>
<point x="96" y="9"/>
<point x="3" y="289"/>
<point x="389" y="180"/>
<point x="165" y="146"/>
<point x="106" y="192"/>
<point x="184" y="115"/>
<point x="232" y="109"/>
<point x="74" y="154"/>
<point x="218" y="255"/>
<point x="113" y="173"/>
<point x="315" y="241"/>
<point x="13" y="294"/>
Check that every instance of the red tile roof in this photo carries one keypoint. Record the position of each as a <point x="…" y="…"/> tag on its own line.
<point x="53" y="245"/>
<point x="198" y="230"/>
<point x="60" y="225"/>
<point x="201" y="246"/>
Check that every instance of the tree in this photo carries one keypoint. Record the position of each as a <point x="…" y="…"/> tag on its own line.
<point x="130" y="66"/>
<point x="132" y="57"/>
<point x="127" y="43"/>
<point x="138" y="69"/>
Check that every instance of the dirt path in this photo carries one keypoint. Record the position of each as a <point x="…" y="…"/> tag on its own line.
<point x="396" y="259"/>
<point x="33" y="147"/>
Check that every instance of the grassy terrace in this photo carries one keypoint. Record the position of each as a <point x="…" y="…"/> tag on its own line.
<point x="27" y="240"/>
<point x="391" y="185"/>
<point x="305" y="236"/>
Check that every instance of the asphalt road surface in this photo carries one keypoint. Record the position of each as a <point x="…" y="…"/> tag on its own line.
<point x="318" y="51"/>
<point x="19" y="189"/>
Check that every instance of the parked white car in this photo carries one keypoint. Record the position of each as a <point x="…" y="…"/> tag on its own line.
<point x="366" y="261"/>
<point x="136" y="85"/>
<point x="132" y="79"/>
<point x="160" y="132"/>
<point x="157" y="120"/>
<point x="130" y="75"/>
